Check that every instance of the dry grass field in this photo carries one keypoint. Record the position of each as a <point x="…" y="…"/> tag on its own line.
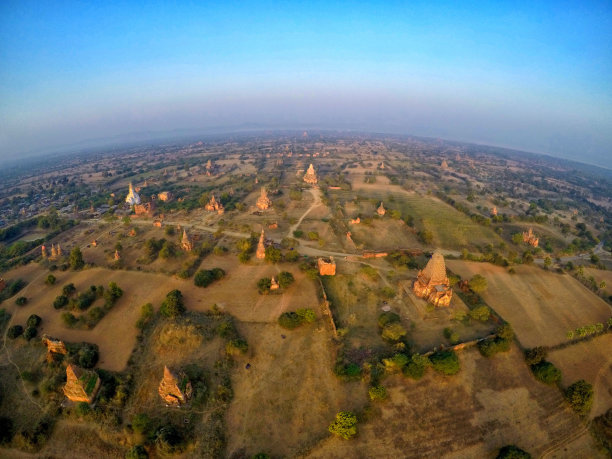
<point x="591" y="361"/>
<point x="490" y="403"/>
<point x="541" y="305"/>
<point x="283" y="402"/>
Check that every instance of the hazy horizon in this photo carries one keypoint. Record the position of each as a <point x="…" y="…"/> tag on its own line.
<point x="531" y="77"/>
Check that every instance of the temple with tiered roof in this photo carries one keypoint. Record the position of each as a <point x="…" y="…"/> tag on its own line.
<point x="432" y="282"/>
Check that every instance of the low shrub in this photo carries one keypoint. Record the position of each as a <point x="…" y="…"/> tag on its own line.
<point x="535" y="355"/>
<point x="33" y="321"/>
<point x="21" y="301"/>
<point x="445" y="362"/>
<point x="60" y="301"/>
<point x="512" y="452"/>
<point x="546" y="372"/>
<point x="15" y="331"/>
<point x="30" y="333"/>
<point x="291" y="320"/>
<point x="387" y="318"/>
<point x="377" y="393"/>
<point x="345" y="425"/>
<point x="580" y="396"/>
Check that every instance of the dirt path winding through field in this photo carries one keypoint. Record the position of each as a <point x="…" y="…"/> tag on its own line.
<point x="316" y="194"/>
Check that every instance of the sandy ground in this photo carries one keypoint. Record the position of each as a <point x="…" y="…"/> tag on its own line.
<point x="591" y="361"/>
<point x="541" y="306"/>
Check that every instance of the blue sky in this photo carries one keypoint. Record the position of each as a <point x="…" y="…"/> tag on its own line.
<point x="531" y="76"/>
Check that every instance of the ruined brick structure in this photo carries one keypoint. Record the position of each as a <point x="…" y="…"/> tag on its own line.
<point x="263" y="202"/>
<point x="327" y="266"/>
<point x="432" y="283"/>
<point x="81" y="385"/>
<point x="174" y="389"/>
<point x="530" y="238"/>
<point x="214" y="206"/>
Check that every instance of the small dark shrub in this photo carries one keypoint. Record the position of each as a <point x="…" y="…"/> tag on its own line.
<point x="33" y="321"/>
<point x="15" y="331"/>
<point x="30" y="333"/>
<point x="546" y="372"/>
<point x="21" y="301"/>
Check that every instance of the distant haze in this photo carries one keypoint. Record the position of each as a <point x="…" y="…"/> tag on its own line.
<point x="530" y="77"/>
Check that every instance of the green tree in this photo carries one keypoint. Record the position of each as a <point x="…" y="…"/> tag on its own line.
<point x="580" y="396"/>
<point x="535" y="355"/>
<point x="481" y="313"/>
<point x="345" y="425"/>
<point x="393" y="331"/>
<point x="546" y="372"/>
<point x="50" y="279"/>
<point x="377" y="393"/>
<point x="137" y="452"/>
<point x="273" y="255"/>
<point x="173" y="304"/>
<point x="76" y="259"/>
<point x="478" y="284"/>
<point x="512" y="452"/>
<point x="285" y="279"/>
<point x="445" y="362"/>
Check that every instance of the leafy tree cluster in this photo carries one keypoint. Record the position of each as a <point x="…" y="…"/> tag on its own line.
<point x="445" y="362"/>
<point x="588" y="330"/>
<point x="291" y="320"/>
<point x="345" y="425"/>
<point x="580" y="396"/>
<point x="205" y="277"/>
<point x="501" y="342"/>
<point x="173" y="305"/>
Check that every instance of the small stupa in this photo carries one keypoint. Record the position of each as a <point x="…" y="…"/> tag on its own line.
<point x="132" y="198"/>
<point x="261" y="248"/>
<point x="186" y="243"/>
<point x="274" y="284"/>
<point x="381" y="209"/>
<point x="117" y="256"/>
<point x="310" y="176"/>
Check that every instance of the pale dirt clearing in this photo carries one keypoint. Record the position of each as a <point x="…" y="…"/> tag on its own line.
<point x="541" y="305"/>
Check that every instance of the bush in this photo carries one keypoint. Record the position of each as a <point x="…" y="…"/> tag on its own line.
<point x="347" y="371"/>
<point x="273" y="255"/>
<point x="445" y="362"/>
<point x="477" y="284"/>
<point x="15" y="331"/>
<point x="345" y="425"/>
<point x="512" y="452"/>
<point x="69" y="319"/>
<point x="83" y="409"/>
<point x="396" y="363"/>
<point x="387" y="292"/>
<point x="393" y="331"/>
<point x="112" y="294"/>
<point x="205" y="277"/>
<point x="377" y="393"/>
<point x="168" y="439"/>
<point x="138" y="451"/>
<point x="173" y="304"/>
<point x="535" y="355"/>
<point x="481" y="313"/>
<point x="264" y="284"/>
<point x="88" y="356"/>
<point x="290" y="320"/>
<point x="68" y="289"/>
<point x="6" y="430"/>
<point x="30" y="333"/>
<point x="285" y="279"/>
<point x="76" y="259"/>
<point x="50" y="280"/>
<point x="60" y="301"/>
<point x="21" y="301"/>
<point x="307" y="315"/>
<point x="146" y="313"/>
<point x="236" y="346"/>
<point x="546" y="372"/>
<point x="387" y="318"/>
<point x="580" y="396"/>
<point x="33" y="321"/>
